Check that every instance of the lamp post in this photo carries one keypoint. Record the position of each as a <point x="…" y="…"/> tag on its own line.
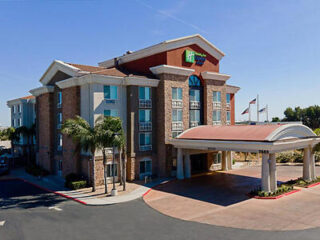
<point x="114" y="191"/>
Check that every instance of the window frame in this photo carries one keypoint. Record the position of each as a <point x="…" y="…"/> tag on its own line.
<point x="176" y="91"/>
<point x="111" y="110"/>
<point x="218" y="96"/>
<point x="110" y="92"/>
<point x="144" y="110"/>
<point x="144" y="97"/>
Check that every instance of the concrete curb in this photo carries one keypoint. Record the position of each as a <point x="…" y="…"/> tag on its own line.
<point x="275" y="197"/>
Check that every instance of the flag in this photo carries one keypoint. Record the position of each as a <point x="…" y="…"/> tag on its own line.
<point x="245" y="111"/>
<point x="263" y="110"/>
<point x="253" y="101"/>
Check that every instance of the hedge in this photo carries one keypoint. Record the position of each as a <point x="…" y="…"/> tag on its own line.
<point x="77" y="184"/>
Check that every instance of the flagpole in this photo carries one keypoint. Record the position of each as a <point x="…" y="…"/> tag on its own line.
<point x="249" y="114"/>
<point x="257" y="108"/>
<point x="267" y="110"/>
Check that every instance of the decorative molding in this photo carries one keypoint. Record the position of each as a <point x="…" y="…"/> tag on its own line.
<point x="107" y="80"/>
<point x="171" y="70"/>
<point x="289" y="131"/>
<point x="215" y="76"/>
<point x="232" y="89"/>
<point x="41" y="90"/>
<point x="166" y="46"/>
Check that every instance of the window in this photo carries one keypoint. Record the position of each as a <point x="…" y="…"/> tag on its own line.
<point x="228" y="97"/>
<point x="59" y="99"/>
<point x="144" y="93"/>
<point x="175" y="133"/>
<point x="59" y="144"/>
<point x="195" y="95"/>
<point x="145" y="167"/>
<point x="176" y="93"/>
<point x="111" y="92"/>
<point x="12" y="122"/>
<point x="228" y="117"/>
<point x="145" y="141"/>
<point x="194" y="81"/>
<point x="217" y="158"/>
<point x="111" y="113"/>
<point x="216" y="116"/>
<point x="19" y="108"/>
<point x="59" y="120"/>
<point x="177" y="115"/>
<point x="216" y="96"/>
<point x="195" y="115"/>
<point x="14" y="108"/>
<point x="110" y="168"/>
<point x="144" y="115"/>
<point x="19" y="122"/>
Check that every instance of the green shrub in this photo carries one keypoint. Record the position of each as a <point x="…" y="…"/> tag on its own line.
<point x="36" y="170"/>
<point x="77" y="184"/>
<point x="284" y="157"/>
<point x="233" y="161"/>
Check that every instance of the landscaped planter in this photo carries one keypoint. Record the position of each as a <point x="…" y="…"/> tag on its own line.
<point x="304" y="184"/>
<point x="277" y="196"/>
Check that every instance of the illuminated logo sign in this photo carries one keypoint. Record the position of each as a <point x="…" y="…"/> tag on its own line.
<point x="194" y="57"/>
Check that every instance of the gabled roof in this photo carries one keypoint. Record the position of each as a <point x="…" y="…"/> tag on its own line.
<point x="166" y="46"/>
<point x="20" y="100"/>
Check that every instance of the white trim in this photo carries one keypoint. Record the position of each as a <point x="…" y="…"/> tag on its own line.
<point x="107" y="80"/>
<point x="171" y="70"/>
<point x="166" y="46"/>
<point x="41" y="90"/>
<point x="232" y="89"/>
<point x="243" y="146"/>
<point x="56" y="66"/>
<point x="215" y="76"/>
<point x="290" y="131"/>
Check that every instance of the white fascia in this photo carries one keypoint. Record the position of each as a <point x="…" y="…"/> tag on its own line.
<point x="107" y="80"/>
<point x="171" y="70"/>
<point x="14" y="102"/>
<point x="41" y="90"/>
<point x="215" y="76"/>
<point x="56" y="66"/>
<point x="167" y="46"/>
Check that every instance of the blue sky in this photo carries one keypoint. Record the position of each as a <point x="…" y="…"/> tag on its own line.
<point x="272" y="47"/>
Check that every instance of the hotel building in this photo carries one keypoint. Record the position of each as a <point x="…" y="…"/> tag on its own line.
<point x="158" y="92"/>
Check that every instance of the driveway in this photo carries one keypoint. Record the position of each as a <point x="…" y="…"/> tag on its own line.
<point x="132" y="220"/>
<point x="220" y="199"/>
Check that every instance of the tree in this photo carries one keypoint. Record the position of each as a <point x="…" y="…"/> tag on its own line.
<point x="276" y="119"/>
<point x="110" y="134"/>
<point x="12" y="135"/>
<point x="85" y="137"/>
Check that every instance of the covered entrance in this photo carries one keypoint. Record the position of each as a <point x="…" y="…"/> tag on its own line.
<point x="266" y="139"/>
<point x="198" y="163"/>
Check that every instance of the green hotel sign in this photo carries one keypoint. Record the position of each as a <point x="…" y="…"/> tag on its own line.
<point x="194" y="57"/>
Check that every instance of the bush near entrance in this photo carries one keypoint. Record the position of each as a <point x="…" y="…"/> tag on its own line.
<point x="283" y="188"/>
<point x="302" y="183"/>
<point x="75" y="181"/>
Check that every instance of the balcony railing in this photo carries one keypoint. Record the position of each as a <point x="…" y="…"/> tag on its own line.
<point x="177" y="103"/>
<point x="177" y="126"/>
<point x="145" y="147"/>
<point x="216" y="122"/>
<point x="195" y="105"/>
<point x="145" y="126"/>
<point x="143" y="103"/>
<point x="228" y="122"/>
<point x="228" y="105"/>
<point x="194" y="123"/>
<point x="217" y="105"/>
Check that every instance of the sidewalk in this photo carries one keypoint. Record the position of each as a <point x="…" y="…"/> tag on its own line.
<point x="56" y="185"/>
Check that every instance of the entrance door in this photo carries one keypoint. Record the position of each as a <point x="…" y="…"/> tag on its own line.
<point x="59" y="171"/>
<point x="110" y="167"/>
<point x="198" y="163"/>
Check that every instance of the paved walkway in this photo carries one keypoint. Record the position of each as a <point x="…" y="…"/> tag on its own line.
<point x="220" y="199"/>
<point x="56" y="185"/>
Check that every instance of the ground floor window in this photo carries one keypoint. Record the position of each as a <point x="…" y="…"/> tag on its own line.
<point x="111" y="113"/>
<point x="217" y="158"/>
<point x="110" y="168"/>
<point x="175" y="133"/>
<point x="145" y="167"/>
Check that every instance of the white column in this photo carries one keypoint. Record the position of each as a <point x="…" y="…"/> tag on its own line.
<point x="180" y="174"/>
<point x="265" y="173"/>
<point x="273" y="172"/>
<point x="306" y="164"/>
<point x="187" y="164"/>
<point x="229" y="160"/>
<point x="224" y="161"/>
<point x="312" y="165"/>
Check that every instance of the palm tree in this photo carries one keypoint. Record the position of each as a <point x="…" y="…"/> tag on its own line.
<point x="85" y="137"/>
<point x="111" y="134"/>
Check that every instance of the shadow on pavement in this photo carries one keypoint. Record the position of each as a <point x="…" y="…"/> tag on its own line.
<point x="19" y="194"/>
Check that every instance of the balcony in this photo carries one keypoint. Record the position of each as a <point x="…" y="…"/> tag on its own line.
<point x="216" y="122"/>
<point x="145" y="147"/>
<point x="216" y="105"/>
<point x="228" y="105"/>
<point x="145" y="126"/>
<point x="177" y="104"/>
<point x="194" y="124"/>
<point x="143" y="103"/>
<point x="195" y="105"/>
<point x="177" y="126"/>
